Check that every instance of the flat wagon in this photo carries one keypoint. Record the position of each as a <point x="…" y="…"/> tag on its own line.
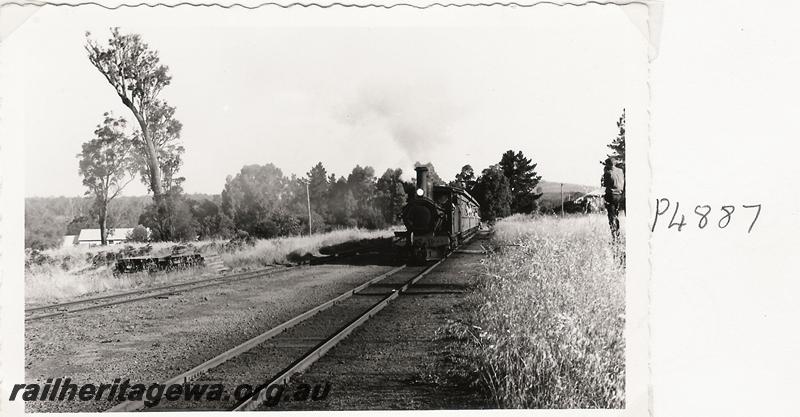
<point x="159" y="263"/>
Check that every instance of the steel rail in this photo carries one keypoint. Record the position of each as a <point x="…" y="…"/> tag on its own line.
<point x="232" y="277"/>
<point x="150" y="289"/>
<point x="260" y="392"/>
<point x="253" y="342"/>
<point x="171" y="290"/>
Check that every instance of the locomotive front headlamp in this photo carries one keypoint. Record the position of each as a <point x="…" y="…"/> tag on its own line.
<point x="420" y="192"/>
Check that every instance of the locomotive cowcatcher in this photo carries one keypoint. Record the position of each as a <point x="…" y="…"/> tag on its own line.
<point x="437" y="219"/>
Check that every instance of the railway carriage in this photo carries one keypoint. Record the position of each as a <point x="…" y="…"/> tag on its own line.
<point x="437" y="219"/>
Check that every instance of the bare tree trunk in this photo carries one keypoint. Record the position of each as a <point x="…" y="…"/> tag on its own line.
<point x="102" y="217"/>
<point x="152" y="157"/>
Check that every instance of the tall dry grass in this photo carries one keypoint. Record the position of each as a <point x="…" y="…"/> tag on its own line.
<point x="70" y="273"/>
<point x="274" y="251"/>
<point x="550" y="312"/>
<point x="76" y="256"/>
<point x="50" y="284"/>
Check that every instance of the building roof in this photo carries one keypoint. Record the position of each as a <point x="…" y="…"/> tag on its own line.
<point x="597" y="192"/>
<point x="93" y="235"/>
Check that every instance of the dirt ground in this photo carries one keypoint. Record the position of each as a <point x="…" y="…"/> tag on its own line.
<point x="397" y="360"/>
<point x="152" y="340"/>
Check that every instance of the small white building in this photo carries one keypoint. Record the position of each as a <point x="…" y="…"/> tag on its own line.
<point x="91" y="237"/>
<point x="591" y="201"/>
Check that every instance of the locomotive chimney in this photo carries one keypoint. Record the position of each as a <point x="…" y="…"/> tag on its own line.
<point x="423" y="188"/>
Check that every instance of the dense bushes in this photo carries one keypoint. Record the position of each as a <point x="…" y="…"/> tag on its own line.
<point x="265" y="203"/>
<point x="139" y="234"/>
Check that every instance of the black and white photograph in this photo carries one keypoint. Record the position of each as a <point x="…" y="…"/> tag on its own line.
<point x="328" y="209"/>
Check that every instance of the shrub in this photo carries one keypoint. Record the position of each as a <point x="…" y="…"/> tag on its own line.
<point x="170" y="219"/>
<point x="139" y="234"/>
<point x="265" y="252"/>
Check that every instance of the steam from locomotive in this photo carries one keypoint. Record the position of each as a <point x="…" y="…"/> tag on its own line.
<point x="437" y="219"/>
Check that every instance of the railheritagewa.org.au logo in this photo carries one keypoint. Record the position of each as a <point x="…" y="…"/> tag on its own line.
<point x="63" y="389"/>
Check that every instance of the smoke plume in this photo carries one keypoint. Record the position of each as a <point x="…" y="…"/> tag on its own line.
<point x="417" y="116"/>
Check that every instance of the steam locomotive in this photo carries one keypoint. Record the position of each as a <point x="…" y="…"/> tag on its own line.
<point x="437" y="219"/>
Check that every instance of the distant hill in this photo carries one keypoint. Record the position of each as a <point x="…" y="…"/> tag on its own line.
<point x="549" y="187"/>
<point x="551" y="193"/>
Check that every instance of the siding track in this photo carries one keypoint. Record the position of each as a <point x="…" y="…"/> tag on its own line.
<point x="75" y="306"/>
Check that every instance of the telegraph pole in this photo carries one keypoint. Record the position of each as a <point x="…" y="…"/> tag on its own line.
<point x="562" y="199"/>
<point x="308" y="201"/>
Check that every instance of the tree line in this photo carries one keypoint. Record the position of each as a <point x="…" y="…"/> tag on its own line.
<point x="264" y="202"/>
<point x="259" y="200"/>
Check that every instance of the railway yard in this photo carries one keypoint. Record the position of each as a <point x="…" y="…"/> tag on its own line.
<point x="365" y="326"/>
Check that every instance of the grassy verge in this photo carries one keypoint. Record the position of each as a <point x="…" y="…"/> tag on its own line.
<point x="549" y="312"/>
<point x="278" y="251"/>
<point x="66" y="273"/>
<point x="45" y="285"/>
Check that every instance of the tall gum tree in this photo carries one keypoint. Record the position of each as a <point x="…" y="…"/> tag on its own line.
<point x="138" y="77"/>
<point x="164" y="134"/>
<point x="106" y="166"/>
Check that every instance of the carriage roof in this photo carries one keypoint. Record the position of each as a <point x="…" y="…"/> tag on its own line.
<point x="457" y="190"/>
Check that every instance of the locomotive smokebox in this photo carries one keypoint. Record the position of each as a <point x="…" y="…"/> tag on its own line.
<point x="423" y="186"/>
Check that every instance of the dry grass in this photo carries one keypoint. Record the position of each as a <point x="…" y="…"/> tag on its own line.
<point x="45" y="285"/>
<point x="272" y="251"/>
<point x="77" y="255"/>
<point x="69" y="273"/>
<point x="550" y="312"/>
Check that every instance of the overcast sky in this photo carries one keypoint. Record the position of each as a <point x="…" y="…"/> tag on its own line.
<point x="345" y="87"/>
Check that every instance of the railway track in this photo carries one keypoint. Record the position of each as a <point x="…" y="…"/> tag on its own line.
<point x="293" y="345"/>
<point x="255" y="401"/>
<point x="60" y="309"/>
